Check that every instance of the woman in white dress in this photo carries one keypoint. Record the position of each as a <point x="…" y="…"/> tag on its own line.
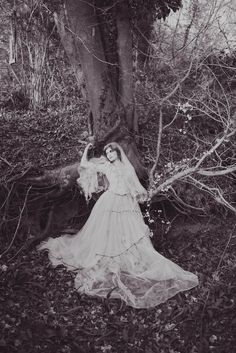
<point x="113" y="254"/>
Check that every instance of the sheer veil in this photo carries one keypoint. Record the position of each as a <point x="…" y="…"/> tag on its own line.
<point x="92" y="174"/>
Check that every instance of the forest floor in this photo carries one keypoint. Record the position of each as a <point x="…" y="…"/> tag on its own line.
<point x="40" y="311"/>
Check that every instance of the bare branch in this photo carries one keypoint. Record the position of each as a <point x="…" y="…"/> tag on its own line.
<point x="174" y="118"/>
<point x="161" y="121"/>
<point x="158" y="147"/>
<point x="225" y="171"/>
<point x="215" y="192"/>
<point x="190" y="170"/>
<point x="18" y="224"/>
<point x="6" y="161"/>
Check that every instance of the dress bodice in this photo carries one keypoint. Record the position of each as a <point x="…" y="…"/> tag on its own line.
<point x="116" y="179"/>
<point x="120" y="178"/>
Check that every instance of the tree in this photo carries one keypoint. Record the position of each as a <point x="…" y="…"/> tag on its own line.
<point x="104" y="41"/>
<point x="103" y="36"/>
<point x="191" y="88"/>
<point x="99" y="36"/>
<point x="29" y="46"/>
<point x="185" y="95"/>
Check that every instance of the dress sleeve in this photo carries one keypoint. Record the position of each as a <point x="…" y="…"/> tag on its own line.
<point x="100" y="164"/>
<point x="88" y="179"/>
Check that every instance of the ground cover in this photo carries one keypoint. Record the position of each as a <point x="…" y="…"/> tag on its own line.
<point x="39" y="309"/>
<point x="41" y="312"/>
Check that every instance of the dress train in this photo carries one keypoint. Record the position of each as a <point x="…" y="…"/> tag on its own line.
<point x="113" y="254"/>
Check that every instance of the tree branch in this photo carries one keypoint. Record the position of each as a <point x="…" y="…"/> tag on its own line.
<point x="189" y="170"/>
<point x="215" y="192"/>
<point x="160" y="129"/>
<point x="225" y="171"/>
<point x="18" y="224"/>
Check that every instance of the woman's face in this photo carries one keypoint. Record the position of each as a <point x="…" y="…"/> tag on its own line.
<point x="111" y="154"/>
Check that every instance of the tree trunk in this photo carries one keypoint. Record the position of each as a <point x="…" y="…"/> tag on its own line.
<point x="109" y="90"/>
<point x="112" y="111"/>
<point x="37" y="57"/>
<point x="68" y="42"/>
<point x="84" y="24"/>
<point x="125" y="61"/>
<point x="143" y="43"/>
<point x="31" y="50"/>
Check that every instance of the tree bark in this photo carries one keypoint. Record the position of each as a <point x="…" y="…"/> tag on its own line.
<point x="31" y="47"/>
<point x="37" y="57"/>
<point x="68" y="43"/>
<point x="111" y="103"/>
<point x="113" y="116"/>
<point x="143" y="44"/>
<point x="84" y="24"/>
<point x="125" y="61"/>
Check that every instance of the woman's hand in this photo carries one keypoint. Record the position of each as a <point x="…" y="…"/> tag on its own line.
<point x="84" y="158"/>
<point x="89" y="146"/>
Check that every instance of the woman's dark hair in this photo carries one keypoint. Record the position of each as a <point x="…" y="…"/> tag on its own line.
<point x="113" y="148"/>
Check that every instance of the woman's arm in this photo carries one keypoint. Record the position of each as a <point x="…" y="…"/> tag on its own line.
<point x="84" y="160"/>
<point x="88" y="171"/>
<point x="97" y="164"/>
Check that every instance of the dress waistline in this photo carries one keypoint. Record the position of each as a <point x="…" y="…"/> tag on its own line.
<point x="118" y="193"/>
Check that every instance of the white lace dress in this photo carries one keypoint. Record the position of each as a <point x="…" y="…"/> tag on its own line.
<point x="113" y="253"/>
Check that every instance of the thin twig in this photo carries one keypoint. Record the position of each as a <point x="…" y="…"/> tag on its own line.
<point x="194" y="169"/>
<point x="18" y="224"/>
<point x="6" y="161"/>
<point x="213" y="192"/>
<point x="158" y="147"/>
<point x="223" y="254"/>
<point x="160" y="130"/>
<point x="17" y="177"/>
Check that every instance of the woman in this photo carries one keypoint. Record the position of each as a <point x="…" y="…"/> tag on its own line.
<point x="113" y="253"/>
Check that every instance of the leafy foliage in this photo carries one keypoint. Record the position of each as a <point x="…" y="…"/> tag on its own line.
<point x="152" y="9"/>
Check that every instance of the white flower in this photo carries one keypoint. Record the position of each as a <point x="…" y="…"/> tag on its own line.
<point x="51" y="310"/>
<point x="4" y="268"/>
<point x="106" y="348"/>
<point x="213" y="338"/>
<point x="169" y="327"/>
<point x="193" y="299"/>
